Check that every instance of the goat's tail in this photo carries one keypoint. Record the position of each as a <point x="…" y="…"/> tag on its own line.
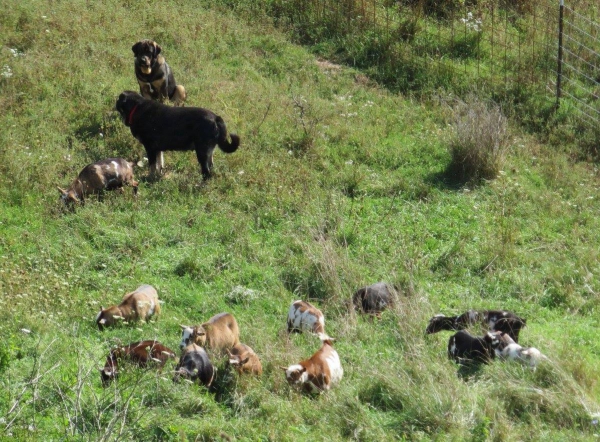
<point x="224" y="144"/>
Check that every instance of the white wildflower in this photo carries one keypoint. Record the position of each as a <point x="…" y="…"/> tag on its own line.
<point x="6" y="72"/>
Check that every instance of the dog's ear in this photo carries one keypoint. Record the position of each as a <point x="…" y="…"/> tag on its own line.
<point x="157" y="49"/>
<point x="136" y="47"/>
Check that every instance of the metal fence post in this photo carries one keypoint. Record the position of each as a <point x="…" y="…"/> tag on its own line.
<point x="560" y="52"/>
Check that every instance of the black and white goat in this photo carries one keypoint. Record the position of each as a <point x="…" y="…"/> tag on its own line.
<point x="465" y="348"/>
<point x="494" y="320"/>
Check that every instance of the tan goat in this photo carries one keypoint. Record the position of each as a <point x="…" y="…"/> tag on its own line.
<point x="140" y="304"/>
<point x="109" y="174"/>
<point x="221" y="332"/>
<point x="244" y="360"/>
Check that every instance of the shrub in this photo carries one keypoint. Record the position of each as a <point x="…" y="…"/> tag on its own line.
<point x="479" y="143"/>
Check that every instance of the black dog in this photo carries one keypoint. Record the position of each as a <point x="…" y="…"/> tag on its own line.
<point x="154" y="74"/>
<point x="160" y="127"/>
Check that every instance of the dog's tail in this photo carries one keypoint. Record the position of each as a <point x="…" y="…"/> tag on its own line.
<point x="224" y="144"/>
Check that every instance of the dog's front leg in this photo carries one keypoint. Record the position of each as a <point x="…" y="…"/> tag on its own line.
<point x="145" y="90"/>
<point x="156" y="162"/>
<point x="160" y="162"/>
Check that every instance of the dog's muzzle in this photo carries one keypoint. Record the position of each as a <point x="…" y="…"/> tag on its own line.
<point x="146" y="65"/>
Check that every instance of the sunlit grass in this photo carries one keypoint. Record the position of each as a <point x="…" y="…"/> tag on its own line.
<point x="338" y="183"/>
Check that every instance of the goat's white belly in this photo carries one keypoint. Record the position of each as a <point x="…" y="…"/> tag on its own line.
<point x="152" y="307"/>
<point x="512" y="351"/>
<point x="335" y="367"/>
<point x="305" y="321"/>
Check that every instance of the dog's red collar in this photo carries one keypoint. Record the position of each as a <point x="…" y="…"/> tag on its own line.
<point x="130" y="117"/>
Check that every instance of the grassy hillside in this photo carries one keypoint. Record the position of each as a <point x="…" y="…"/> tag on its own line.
<point x="337" y="184"/>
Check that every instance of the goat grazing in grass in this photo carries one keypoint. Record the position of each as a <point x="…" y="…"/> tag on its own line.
<point x="194" y="365"/>
<point x="466" y="348"/>
<point x="303" y="316"/>
<point x="510" y="350"/>
<point x="140" y="304"/>
<point x="221" y="332"/>
<point x="373" y="299"/>
<point x="109" y="174"/>
<point x="494" y="320"/>
<point x="244" y="360"/>
<point x="320" y="372"/>
<point x="142" y="354"/>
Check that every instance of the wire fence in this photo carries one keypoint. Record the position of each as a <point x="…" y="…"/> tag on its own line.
<point x="578" y="65"/>
<point x="509" y="44"/>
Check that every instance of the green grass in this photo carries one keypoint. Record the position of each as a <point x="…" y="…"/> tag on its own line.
<point x="338" y="183"/>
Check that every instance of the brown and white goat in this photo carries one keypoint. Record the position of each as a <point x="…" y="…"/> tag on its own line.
<point x="494" y="320"/>
<point x="221" y="332"/>
<point x="142" y="354"/>
<point x="509" y="349"/>
<point x="303" y="316"/>
<point x="374" y="299"/>
<point x="320" y="372"/>
<point x="465" y="348"/>
<point x="244" y="360"/>
<point x="140" y="304"/>
<point x="194" y="365"/>
<point x="109" y="174"/>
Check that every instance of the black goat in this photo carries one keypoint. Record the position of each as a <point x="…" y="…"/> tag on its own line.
<point x="494" y="320"/>
<point x="466" y="348"/>
<point x="374" y="299"/>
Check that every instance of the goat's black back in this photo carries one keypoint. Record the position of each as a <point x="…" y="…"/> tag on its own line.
<point x="374" y="298"/>
<point x="464" y="347"/>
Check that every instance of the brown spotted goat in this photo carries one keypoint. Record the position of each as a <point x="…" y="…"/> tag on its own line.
<point x="244" y="360"/>
<point x="303" y="316"/>
<point x="95" y="178"/>
<point x="140" y="304"/>
<point x="319" y="373"/>
<point x="219" y="333"/>
<point x="510" y="350"/>
<point x="142" y="354"/>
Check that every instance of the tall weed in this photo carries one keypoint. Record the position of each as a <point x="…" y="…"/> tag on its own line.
<point x="479" y="144"/>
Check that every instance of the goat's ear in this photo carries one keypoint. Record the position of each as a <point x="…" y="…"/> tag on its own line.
<point x="243" y="361"/>
<point x="61" y="190"/>
<point x="183" y="327"/>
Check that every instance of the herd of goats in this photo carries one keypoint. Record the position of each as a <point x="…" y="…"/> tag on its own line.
<point x="220" y="336"/>
<point x="160" y="127"/>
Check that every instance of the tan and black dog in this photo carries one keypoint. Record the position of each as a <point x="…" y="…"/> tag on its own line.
<point x="160" y="127"/>
<point x="154" y="74"/>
